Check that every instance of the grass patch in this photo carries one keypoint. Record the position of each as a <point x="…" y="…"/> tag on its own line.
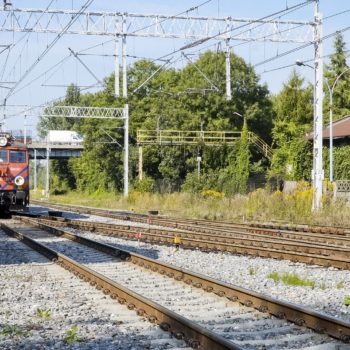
<point x="260" y="205"/>
<point x="14" y="331"/>
<point x="291" y="279"/>
<point x="72" y="336"/>
<point x="43" y="313"/>
<point x="340" y="285"/>
<point x="323" y="286"/>
<point x="252" y="271"/>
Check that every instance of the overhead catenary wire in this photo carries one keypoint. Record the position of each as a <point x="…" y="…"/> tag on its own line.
<point x="201" y="41"/>
<point x="293" y="64"/>
<point x="50" y="46"/>
<point x="285" y="53"/>
<point x="28" y="34"/>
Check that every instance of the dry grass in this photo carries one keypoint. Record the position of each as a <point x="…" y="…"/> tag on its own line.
<point x="260" y="205"/>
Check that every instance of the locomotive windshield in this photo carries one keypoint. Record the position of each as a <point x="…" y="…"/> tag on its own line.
<point x="17" y="156"/>
<point x="3" y="156"/>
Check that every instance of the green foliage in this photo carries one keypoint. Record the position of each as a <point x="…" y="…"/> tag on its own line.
<point x="341" y="94"/>
<point x="252" y="271"/>
<point x="340" y="285"/>
<point x="346" y="300"/>
<point x="212" y="194"/>
<point x="43" y="313"/>
<point x="144" y="185"/>
<point x="291" y="279"/>
<point x="14" y="331"/>
<point x="242" y="163"/>
<point x="172" y="99"/>
<point x="292" y="151"/>
<point x="72" y="335"/>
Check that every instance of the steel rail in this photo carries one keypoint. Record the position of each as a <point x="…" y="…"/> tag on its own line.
<point x="195" y="335"/>
<point x="297" y="314"/>
<point x="230" y="237"/>
<point x="190" y="240"/>
<point x="177" y="222"/>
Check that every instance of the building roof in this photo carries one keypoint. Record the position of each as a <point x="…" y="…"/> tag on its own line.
<point x="341" y="129"/>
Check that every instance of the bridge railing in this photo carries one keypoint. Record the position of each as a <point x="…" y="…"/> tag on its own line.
<point x="209" y="138"/>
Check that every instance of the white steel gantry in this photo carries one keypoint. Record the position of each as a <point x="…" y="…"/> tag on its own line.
<point x="154" y="25"/>
<point x="95" y="113"/>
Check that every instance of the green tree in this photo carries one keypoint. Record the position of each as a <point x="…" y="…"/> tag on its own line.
<point x="294" y="115"/>
<point x="243" y="161"/>
<point x="341" y="94"/>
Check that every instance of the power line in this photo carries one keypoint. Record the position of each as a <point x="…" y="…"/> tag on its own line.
<point x="201" y="41"/>
<point x="291" y="65"/>
<point x="173" y="16"/>
<point x="43" y="54"/>
<point x="285" y="53"/>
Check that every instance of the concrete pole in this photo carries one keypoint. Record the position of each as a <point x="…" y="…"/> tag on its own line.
<point x="125" y="86"/>
<point x="25" y="130"/>
<point x="35" y="172"/>
<point x="140" y="163"/>
<point x="318" y="117"/>
<point x="116" y="70"/>
<point x="228" y="70"/>
<point x="47" y="188"/>
<point x="199" y="159"/>
<point x="126" y="150"/>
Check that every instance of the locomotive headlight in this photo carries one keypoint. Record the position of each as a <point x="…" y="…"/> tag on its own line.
<point x="19" y="180"/>
<point x="3" y="141"/>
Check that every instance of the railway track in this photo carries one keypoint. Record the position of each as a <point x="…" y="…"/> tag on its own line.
<point x="200" y="224"/>
<point x="33" y="282"/>
<point x="218" y="315"/>
<point x="279" y="247"/>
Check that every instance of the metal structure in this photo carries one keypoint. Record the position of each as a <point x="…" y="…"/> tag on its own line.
<point x="318" y="173"/>
<point x="122" y="25"/>
<point x="194" y="138"/>
<point x="94" y="113"/>
<point x="83" y="112"/>
<point x="154" y="25"/>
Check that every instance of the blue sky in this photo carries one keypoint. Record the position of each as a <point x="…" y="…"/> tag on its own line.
<point x="46" y="89"/>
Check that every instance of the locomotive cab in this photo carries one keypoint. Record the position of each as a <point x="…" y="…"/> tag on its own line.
<point x="14" y="174"/>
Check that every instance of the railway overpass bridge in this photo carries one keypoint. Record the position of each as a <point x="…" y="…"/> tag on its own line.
<point x="54" y="150"/>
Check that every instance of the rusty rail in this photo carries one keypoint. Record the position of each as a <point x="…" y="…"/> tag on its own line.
<point x="310" y="254"/>
<point x="195" y="335"/>
<point x="291" y="312"/>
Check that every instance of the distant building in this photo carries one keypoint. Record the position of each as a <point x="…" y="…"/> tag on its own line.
<point x="341" y="132"/>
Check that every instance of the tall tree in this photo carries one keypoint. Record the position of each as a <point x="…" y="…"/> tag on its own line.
<point x="336" y="67"/>
<point x="294" y="115"/>
<point x="243" y="161"/>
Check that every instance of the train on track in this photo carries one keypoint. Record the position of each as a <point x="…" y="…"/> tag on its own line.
<point x="14" y="174"/>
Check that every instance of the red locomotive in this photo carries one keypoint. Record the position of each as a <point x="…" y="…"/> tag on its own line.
<point x="14" y="174"/>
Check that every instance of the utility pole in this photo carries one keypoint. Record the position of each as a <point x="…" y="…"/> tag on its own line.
<point x="125" y="86"/>
<point x="317" y="174"/>
<point x="35" y="172"/>
<point x="47" y="188"/>
<point x="126" y="150"/>
<point x="25" y="130"/>
<point x="116" y="69"/>
<point x="228" y="64"/>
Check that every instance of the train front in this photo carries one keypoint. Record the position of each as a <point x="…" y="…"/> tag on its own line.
<point x="14" y="174"/>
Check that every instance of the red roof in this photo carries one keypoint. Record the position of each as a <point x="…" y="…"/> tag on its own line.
<point x="341" y="129"/>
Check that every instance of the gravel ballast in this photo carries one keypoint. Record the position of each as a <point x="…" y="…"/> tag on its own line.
<point x="330" y="285"/>
<point x="28" y="282"/>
